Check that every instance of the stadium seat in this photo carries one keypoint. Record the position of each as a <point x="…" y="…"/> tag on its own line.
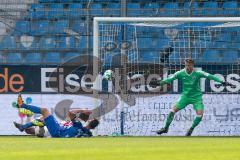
<point x="33" y="58"/>
<point x="212" y="56"/>
<point x="8" y="42"/>
<point x="82" y="42"/>
<point x="37" y="11"/>
<point x="46" y="1"/>
<point x="59" y="27"/>
<point x="22" y="27"/>
<point x="47" y="43"/>
<point x="96" y="9"/>
<point x="113" y="9"/>
<point x="79" y="26"/>
<point x="191" y="9"/>
<point x="210" y="9"/>
<point x="56" y="11"/>
<point x="133" y="9"/>
<point x="150" y="9"/>
<point x="221" y="44"/>
<point x="170" y="9"/>
<point x="2" y="57"/>
<point x="224" y="37"/>
<point x="40" y="27"/>
<point x="52" y="57"/>
<point x="230" y="8"/>
<point x="175" y="57"/>
<point x="76" y="10"/>
<point x="27" y="42"/>
<point x="14" y="58"/>
<point x="142" y="42"/>
<point x="230" y="56"/>
<point x="70" y="55"/>
<point x="148" y="56"/>
<point x="66" y="1"/>
<point x="67" y="42"/>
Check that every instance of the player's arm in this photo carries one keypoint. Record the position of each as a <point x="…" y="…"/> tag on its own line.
<point x="80" y="113"/>
<point x="214" y="78"/>
<point x="166" y="80"/>
<point x="77" y="111"/>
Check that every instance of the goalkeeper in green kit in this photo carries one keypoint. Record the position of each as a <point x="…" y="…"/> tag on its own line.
<point x="191" y="93"/>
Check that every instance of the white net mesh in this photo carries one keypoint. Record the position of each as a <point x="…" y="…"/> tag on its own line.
<point x="146" y="51"/>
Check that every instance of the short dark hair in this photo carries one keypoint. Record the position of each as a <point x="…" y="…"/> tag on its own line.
<point x="83" y="116"/>
<point x="93" y="123"/>
<point x="189" y="60"/>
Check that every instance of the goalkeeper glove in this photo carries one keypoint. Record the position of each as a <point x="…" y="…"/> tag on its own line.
<point x="227" y="84"/>
<point x="155" y="83"/>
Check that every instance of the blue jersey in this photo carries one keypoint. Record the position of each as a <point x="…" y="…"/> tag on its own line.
<point x="75" y="130"/>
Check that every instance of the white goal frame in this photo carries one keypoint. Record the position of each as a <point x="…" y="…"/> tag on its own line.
<point x="98" y="20"/>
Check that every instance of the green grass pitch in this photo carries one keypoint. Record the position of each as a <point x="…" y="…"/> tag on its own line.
<point x="120" y="148"/>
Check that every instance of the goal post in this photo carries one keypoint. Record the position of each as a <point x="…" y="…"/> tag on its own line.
<point x="150" y="48"/>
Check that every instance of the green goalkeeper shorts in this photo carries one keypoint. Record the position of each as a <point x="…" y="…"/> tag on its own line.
<point x="196" y="102"/>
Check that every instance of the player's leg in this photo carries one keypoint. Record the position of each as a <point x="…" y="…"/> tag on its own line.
<point x="22" y="127"/>
<point x="199" y="108"/>
<point x="50" y="122"/>
<point x="182" y="103"/>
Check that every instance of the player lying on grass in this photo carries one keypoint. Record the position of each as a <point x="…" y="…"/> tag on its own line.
<point x="76" y="129"/>
<point x="191" y="93"/>
<point x="37" y="126"/>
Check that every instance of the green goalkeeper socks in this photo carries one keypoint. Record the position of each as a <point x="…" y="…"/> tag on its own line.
<point x="196" y="121"/>
<point x="169" y="119"/>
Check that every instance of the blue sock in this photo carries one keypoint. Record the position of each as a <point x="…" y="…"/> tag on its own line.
<point x="32" y="108"/>
<point x="27" y="125"/>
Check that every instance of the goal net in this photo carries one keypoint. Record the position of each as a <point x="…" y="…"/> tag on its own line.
<point x="140" y="50"/>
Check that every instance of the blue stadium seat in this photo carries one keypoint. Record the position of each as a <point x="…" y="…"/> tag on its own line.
<point x="162" y="43"/>
<point x="212" y="56"/>
<point x="230" y="8"/>
<point x="148" y="56"/>
<point x="76" y="10"/>
<point x="27" y="42"/>
<point x="22" y="27"/>
<point x="210" y="9"/>
<point x="2" y="57"/>
<point x="67" y="42"/>
<point x="113" y="9"/>
<point x="33" y="58"/>
<point x="175" y="57"/>
<point x="224" y="37"/>
<point x="191" y="9"/>
<point x="40" y="27"/>
<point x="56" y="11"/>
<point x="96" y="9"/>
<point x="70" y="55"/>
<point x="37" y="11"/>
<point x="8" y="42"/>
<point x="66" y="1"/>
<point x="230" y="56"/>
<point x="142" y="42"/>
<point x="60" y="26"/>
<point x="133" y="9"/>
<point x="46" y="1"/>
<point x="221" y="44"/>
<point x="52" y="57"/>
<point x="170" y="9"/>
<point x="47" y="43"/>
<point x="14" y="58"/>
<point x="80" y="27"/>
<point x="82" y="42"/>
<point x="150" y="9"/>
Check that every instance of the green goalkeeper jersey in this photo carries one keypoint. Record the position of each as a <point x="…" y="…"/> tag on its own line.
<point x="190" y="82"/>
